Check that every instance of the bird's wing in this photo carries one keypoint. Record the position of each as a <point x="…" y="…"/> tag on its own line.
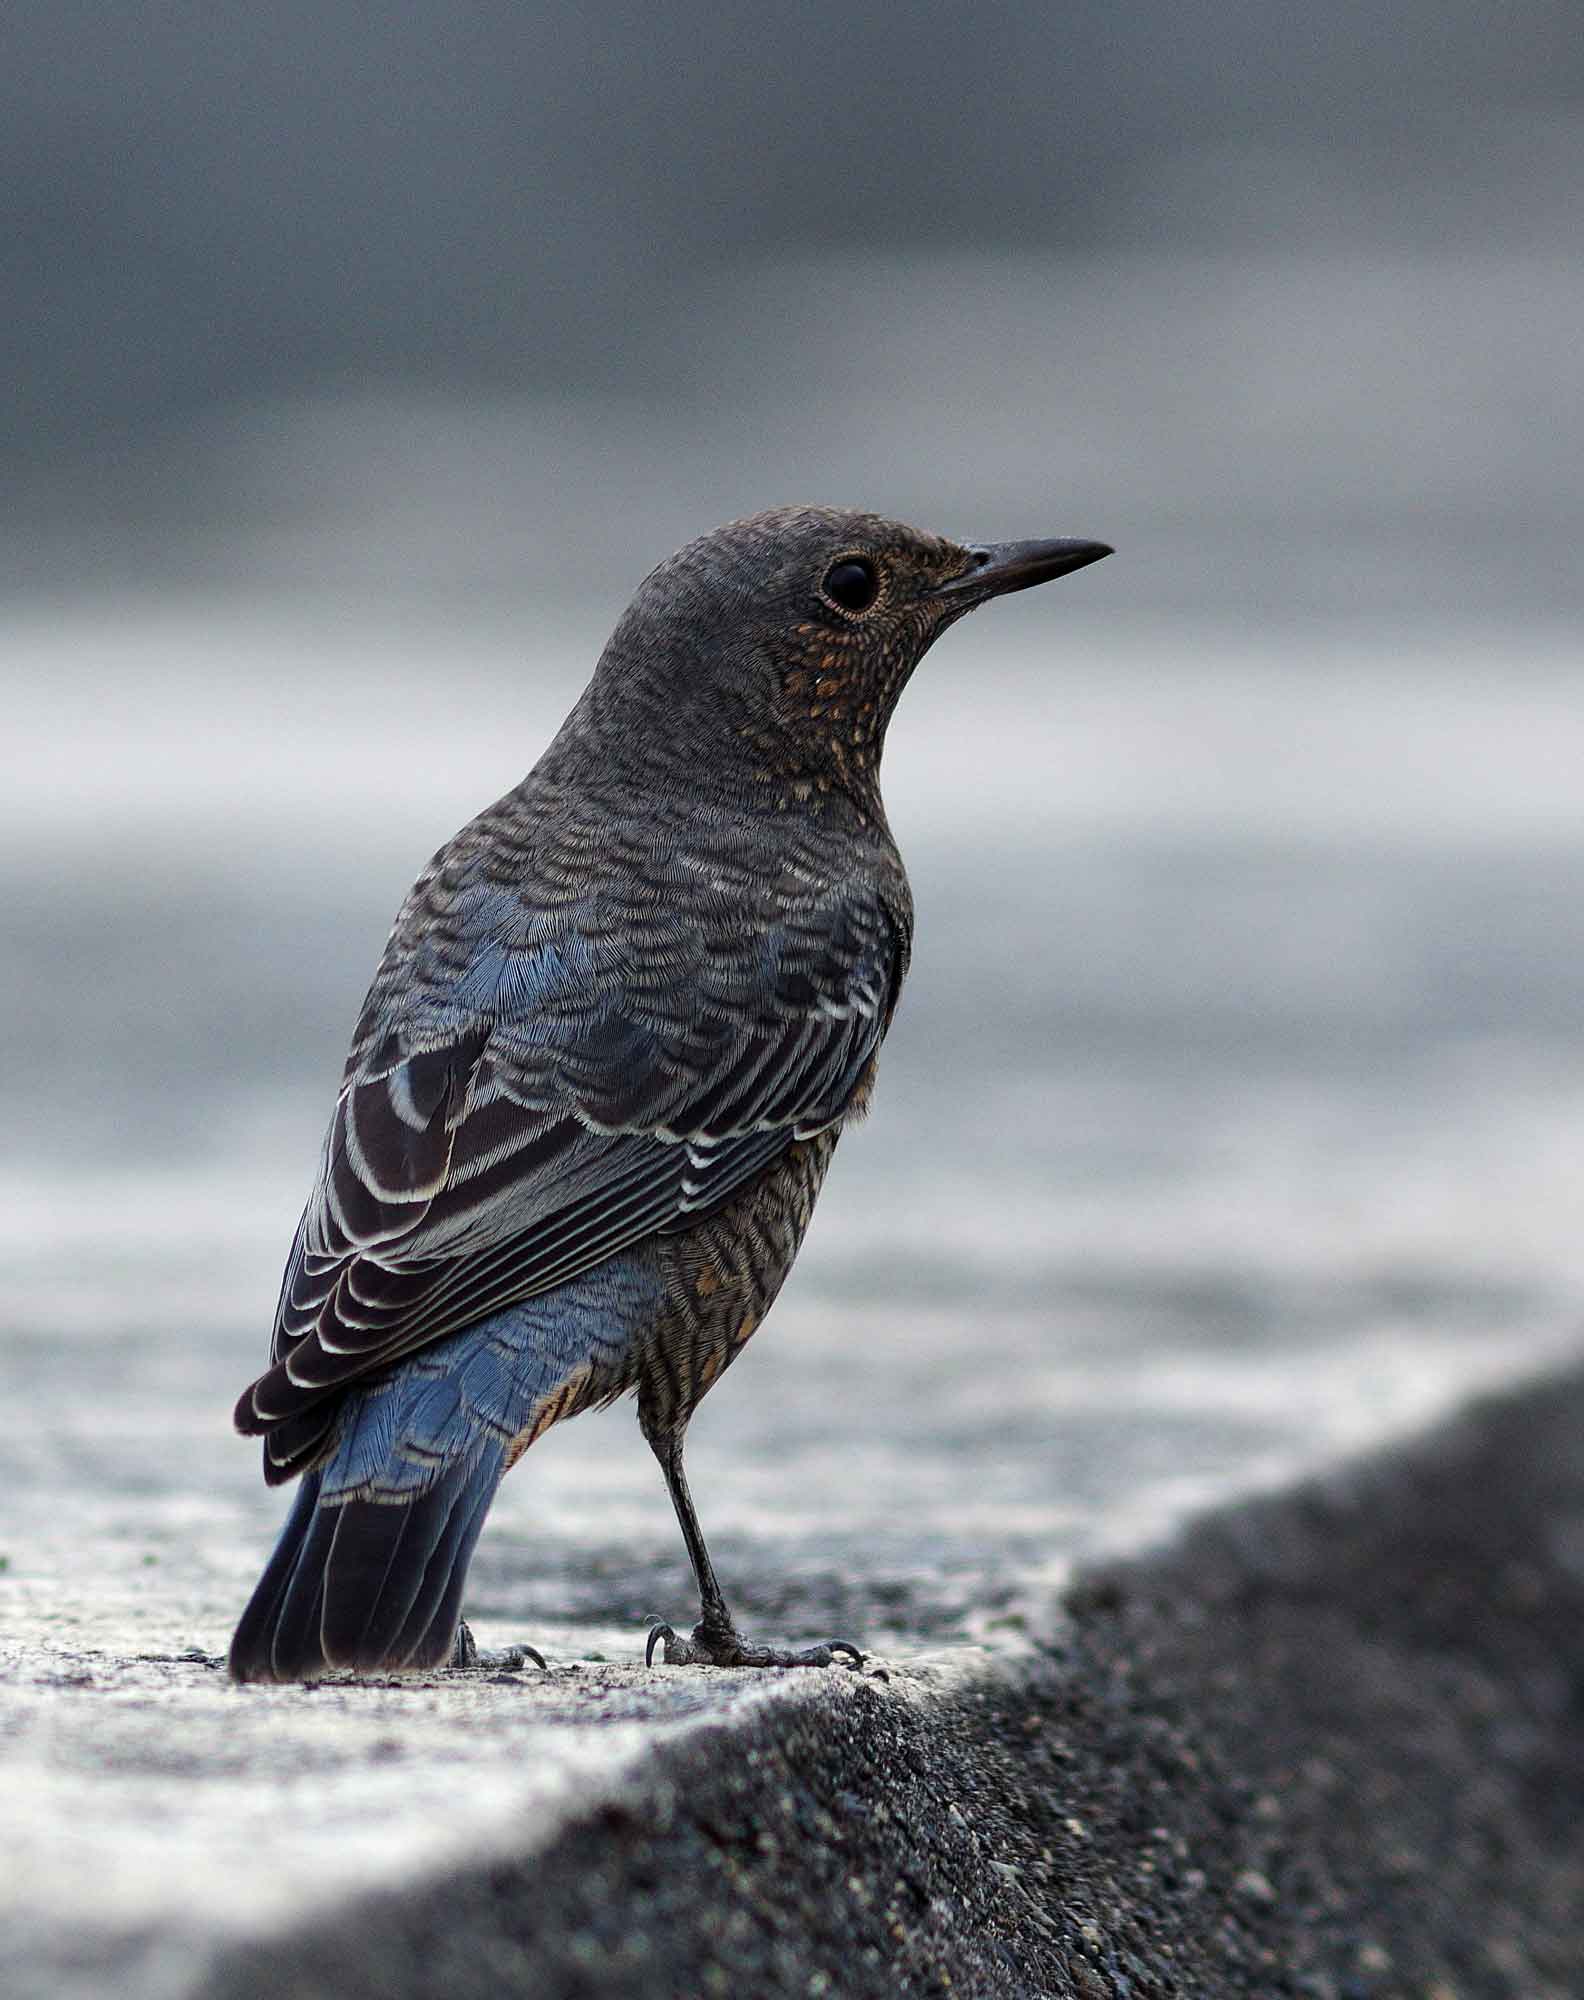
<point x="550" y="1101"/>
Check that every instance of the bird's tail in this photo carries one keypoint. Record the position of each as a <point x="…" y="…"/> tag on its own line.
<point x="369" y="1569"/>
<point x="374" y="1585"/>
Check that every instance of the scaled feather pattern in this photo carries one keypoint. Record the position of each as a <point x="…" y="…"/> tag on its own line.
<point x="617" y="1029"/>
<point x="530" y="1092"/>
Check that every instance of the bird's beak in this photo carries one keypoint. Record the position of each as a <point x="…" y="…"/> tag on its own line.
<point x="995" y="568"/>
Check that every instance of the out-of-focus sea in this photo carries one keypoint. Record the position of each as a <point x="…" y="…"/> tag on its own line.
<point x="1233" y="1117"/>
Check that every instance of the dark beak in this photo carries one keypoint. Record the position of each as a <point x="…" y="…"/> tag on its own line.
<point x="998" y="567"/>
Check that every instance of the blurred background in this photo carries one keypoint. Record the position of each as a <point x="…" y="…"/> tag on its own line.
<point x="358" y="362"/>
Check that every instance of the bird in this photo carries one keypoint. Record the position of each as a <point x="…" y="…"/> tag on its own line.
<point x="619" y="1025"/>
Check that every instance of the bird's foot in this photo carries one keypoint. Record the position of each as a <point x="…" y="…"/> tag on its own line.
<point x="720" y="1646"/>
<point x="466" y="1656"/>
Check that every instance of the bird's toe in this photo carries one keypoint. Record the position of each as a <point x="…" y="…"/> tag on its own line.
<point x="714" y="1646"/>
<point x="468" y="1657"/>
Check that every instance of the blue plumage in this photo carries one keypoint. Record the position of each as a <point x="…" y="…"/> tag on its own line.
<point x="618" y="1026"/>
<point x="435" y="1436"/>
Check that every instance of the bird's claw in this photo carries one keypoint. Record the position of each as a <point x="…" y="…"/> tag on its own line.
<point x="466" y="1656"/>
<point x="710" y="1646"/>
<point x="512" y="1659"/>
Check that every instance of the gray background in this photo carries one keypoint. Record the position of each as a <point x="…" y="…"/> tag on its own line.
<point x="358" y="362"/>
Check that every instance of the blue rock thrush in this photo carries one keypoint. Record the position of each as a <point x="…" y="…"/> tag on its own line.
<point x="621" y="1022"/>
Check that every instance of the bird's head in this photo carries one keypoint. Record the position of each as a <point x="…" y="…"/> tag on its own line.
<point x="792" y="634"/>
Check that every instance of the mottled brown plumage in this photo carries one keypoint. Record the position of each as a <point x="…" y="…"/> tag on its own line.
<point x="619" y="1025"/>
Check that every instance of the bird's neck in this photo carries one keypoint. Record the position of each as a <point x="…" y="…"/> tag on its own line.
<point x="653" y="723"/>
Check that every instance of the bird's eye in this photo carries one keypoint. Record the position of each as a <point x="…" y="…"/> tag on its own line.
<point x="852" y="583"/>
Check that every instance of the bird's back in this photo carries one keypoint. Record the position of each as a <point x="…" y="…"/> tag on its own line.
<point x="596" y="1018"/>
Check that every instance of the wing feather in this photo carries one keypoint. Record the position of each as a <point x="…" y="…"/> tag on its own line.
<point x="478" y="1157"/>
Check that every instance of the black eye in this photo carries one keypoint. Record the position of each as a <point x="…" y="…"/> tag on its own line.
<point x="852" y="584"/>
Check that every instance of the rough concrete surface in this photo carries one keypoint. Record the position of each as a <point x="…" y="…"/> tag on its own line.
<point x="1229" y="1130"/>
<point x="1329" y="1744"/>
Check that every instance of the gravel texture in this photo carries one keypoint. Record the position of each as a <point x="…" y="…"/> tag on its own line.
<point x="1331" y="1744"/>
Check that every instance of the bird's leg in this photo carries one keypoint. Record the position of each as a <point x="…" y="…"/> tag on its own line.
<point x="715" y="1641"/>
<point x="715" y="1624"/>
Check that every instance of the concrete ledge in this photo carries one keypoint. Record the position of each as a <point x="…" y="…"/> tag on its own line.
<point x="1330" y="1744"/>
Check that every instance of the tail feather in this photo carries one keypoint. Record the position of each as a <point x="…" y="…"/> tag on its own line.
<point x="295" y="1650"/>
<point x="377" y="1560"/>
<point x="253" y="1642"/>
<point x="391" y="1562"/>
<point x="429" y="1633"/>
<point x="369" y="1569"/>
<point x="370" y="1585"/>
